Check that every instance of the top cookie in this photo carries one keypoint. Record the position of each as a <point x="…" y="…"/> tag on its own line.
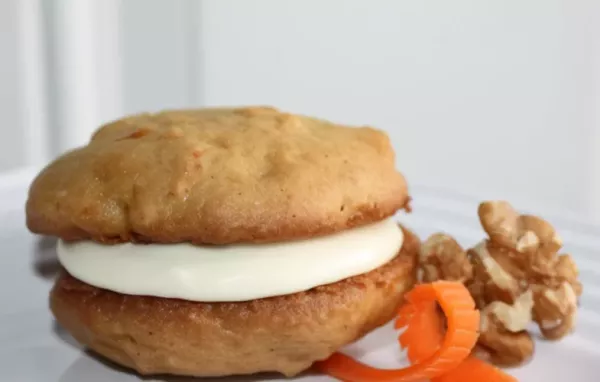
<point x="217" y="176"/>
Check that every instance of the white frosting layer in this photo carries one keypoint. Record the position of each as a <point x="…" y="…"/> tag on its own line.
<point x="232" y="272"/>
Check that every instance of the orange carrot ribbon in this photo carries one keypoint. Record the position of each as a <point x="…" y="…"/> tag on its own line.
<point x="424" y="335"/>
<point x="419" y="315"/>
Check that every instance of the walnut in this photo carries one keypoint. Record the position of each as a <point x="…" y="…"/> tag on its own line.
<point x="442" y="258"/>
<point x="504" y="338"/>
<point x="523" y="233"/>
<point x="492" y="276"/>
<point x="513" y="318"/>
<point x="506" y="349"/>
<point x="554" y="272"/>
<point x="532" y="244"/>
<point x="555" y="310"/>
<point x="566" y="271"/>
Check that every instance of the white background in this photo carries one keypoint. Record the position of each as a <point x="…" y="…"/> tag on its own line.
<point x="492" y="99"/>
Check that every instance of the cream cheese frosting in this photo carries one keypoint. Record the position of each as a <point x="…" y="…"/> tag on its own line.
<point x="231" y="272"/>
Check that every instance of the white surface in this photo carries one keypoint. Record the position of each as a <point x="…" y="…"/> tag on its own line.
<point x="34" y="349"/>
<point x="237" y="272"/>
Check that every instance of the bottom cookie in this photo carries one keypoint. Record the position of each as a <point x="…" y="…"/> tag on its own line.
<point x="283" y="334"/>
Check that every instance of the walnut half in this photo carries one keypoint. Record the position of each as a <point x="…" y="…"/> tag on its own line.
<point x="442" y="258"/>
<point x="504" y="337"/>
<point x="492" y="273"/>
<point x="555" y="310"/>
<point x="523" y="233"/>
<point x="528" y="246"/>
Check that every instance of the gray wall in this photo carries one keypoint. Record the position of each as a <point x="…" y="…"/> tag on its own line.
<point x="12" y="136"/>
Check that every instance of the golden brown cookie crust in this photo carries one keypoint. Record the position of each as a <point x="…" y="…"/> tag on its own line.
<point x="284" y="334"/>
<point x="217" y="176"/>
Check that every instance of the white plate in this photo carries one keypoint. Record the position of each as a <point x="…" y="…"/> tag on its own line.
<point x="34" y="349"/>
